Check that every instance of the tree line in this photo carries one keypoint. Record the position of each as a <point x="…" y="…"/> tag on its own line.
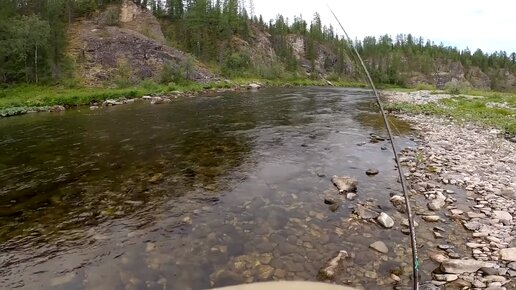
<point x="33" y="41"/>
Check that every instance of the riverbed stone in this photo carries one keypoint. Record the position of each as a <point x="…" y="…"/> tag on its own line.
<point x="398" y="202"/>
<point x="446" y="277"/>
<point x="385" y="220"/>
<point x="365" y="213"/>
<point x="436" y="204"/>
<point x="431" y="218"/>
<point x="473" y="225"/>
<point x="380" y="247"/>
<point x="460" y="266"/>
<point x="438" y="257"/>
<point x="502" y="215"/>
<point x="372" y="171"/>
<point x="508" y="254"/>
<point x="264" y="272"/>
<point x="345" y="183"/>
<point x="332" y="266"/>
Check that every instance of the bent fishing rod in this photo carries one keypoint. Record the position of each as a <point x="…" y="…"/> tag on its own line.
<point x="415" y="261"/>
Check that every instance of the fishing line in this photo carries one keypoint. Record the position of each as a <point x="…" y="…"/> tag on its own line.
<point x="415" y="261"/>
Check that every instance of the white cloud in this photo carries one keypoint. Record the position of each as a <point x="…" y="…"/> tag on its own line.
<point x="475" y="23"/>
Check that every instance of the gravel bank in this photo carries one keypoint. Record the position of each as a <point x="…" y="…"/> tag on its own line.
<point x="481" y="165"/>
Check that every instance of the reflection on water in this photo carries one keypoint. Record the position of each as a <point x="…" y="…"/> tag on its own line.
<point x="202" y="192"/>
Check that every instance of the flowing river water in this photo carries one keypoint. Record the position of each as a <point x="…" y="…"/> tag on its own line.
<point x="202" y="192"/>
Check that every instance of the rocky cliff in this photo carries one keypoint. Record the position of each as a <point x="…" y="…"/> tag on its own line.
<point x="124" y="37"/>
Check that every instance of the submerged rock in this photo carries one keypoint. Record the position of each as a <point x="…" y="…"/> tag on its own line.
<point x="334" y="207"/>
<point x="380" y="247"/>
<point x="372" y="171"/>
<point x="344" y="183"/>
<point x="332" y="267"/>
<point x="330" y="200"/>
<point x="365" y="213"/>
<point x="398" y="202"/>
<point x="385" y="220"/>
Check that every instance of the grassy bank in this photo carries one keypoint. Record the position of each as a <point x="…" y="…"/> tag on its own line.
<point x="488" y="108"/>
<point x="21" y="99"/>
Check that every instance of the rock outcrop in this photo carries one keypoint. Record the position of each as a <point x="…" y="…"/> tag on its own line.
<point x="99" y="47"/>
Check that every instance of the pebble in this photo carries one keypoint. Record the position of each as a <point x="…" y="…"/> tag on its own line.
<point x="431" y="218"/>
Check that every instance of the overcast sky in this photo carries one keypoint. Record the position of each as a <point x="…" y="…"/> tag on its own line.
<point x="486" y="24"/>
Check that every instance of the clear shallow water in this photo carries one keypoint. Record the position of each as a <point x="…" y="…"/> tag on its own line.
<point x="202" y="192"/>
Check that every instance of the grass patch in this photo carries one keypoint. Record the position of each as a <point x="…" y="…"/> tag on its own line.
<point x="21" y="99"/>
<point x="493" y="109"/>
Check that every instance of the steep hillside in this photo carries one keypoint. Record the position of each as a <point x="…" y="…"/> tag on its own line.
<point x="125" y="41"/>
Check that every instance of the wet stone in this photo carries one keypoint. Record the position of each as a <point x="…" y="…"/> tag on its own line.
<point x="345" y="184"/>
<point x="380" y="247"/>
<point x="264" y="272"/>
<point x="365" y="213"/>
<point x="372" y="171"/>
<point x="330" y="200"/>
<point x="334" y="207"/>
<point x="385" y="220"/>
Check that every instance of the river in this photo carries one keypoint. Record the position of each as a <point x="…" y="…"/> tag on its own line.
<point x="214" y="190"/>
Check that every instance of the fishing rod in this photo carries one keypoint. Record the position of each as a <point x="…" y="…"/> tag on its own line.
<point x="415" y="261"/>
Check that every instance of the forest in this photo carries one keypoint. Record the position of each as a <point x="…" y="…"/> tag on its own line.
<point x="33" y="42"/>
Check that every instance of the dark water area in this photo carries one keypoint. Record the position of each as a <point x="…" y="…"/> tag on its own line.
<point x="202" y="192"/>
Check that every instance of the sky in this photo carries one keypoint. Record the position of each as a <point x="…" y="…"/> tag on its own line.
<point x="488" y="25"/>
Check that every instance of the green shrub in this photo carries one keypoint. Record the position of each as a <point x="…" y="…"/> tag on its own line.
<point x="123" y="74"/>
<point x="455" y="87"/>
<point x="235" y="64"/>
<point x="425" y="87"/>
<point x="187" y="67"/>
<point x="111" y="16"/>
<point x="169" y="74"/>
<point x="149" y="85"/>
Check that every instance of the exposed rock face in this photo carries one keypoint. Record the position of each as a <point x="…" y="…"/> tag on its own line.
<point x="477" y="78"/>
<point x="446" y="72"/>
<point x="99" y="50"/>
<point x="325" y="60"/>
<point x="137" y="41"/>
<point x="140" y="20"/>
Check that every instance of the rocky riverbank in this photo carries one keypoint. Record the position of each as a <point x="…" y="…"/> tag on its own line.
<point x="467" y="176"/>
